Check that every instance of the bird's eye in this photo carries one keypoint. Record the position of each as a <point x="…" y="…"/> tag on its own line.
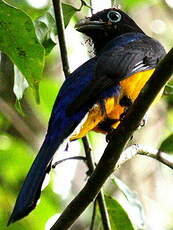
<point x="114" y="16"/>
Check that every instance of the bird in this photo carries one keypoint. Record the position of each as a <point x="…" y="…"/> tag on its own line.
<point x="97" y="95"/>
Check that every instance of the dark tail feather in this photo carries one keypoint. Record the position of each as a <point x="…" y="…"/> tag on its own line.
<point x="31" y="189"/>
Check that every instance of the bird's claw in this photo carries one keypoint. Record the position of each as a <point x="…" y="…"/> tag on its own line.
<point x="109" y="136"/>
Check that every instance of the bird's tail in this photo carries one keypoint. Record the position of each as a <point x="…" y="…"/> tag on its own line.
<point x="31" y="188"/>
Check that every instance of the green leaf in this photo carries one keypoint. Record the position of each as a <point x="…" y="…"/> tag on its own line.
<point x="18" y="40"/>
<point x="168" y="89"/>
<point x="68" y="12"/>
<point x="136" y="209"/>
<point x="167" y="144"/>
<point x="46" y="30"/>
<point x="118" y="217"/>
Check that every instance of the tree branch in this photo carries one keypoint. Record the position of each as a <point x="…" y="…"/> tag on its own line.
<point x="134" y="150"/>
<point x="93" y="216"/>
<point x="116" y="145"/>
<point x="91" y="5"/>
<point x="67" y="159"/>
<point x="14" y="118"/>
<point x="61" y="36"/>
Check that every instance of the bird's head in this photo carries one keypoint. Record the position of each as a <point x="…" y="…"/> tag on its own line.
<point x="106" y="25"/>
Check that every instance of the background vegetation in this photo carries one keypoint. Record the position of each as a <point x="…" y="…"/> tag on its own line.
<point x="23" y="121"/>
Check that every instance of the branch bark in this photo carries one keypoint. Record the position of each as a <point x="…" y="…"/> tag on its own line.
<point x="14" y="118"/>
<point x="134" y="150"/>
<point x="61" y="36"/>
<point x="116" y="145"/>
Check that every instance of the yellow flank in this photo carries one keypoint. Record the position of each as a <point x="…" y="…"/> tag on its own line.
<point x="130" y="87"/>
<point x="95" y="115"/>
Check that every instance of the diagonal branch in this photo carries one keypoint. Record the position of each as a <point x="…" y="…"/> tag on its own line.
<point x="18" y="123"/>
<point x="116" y="145"/>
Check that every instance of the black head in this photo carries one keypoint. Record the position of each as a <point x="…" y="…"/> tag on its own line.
<point x="106" y="25"/>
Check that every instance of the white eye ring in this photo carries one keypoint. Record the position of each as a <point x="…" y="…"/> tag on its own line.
<point x="114" y="16"/>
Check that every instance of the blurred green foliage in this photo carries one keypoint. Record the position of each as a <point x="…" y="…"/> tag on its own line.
<point x="16" y="152"/>
<point x="130" y="4"/>
<point x="16" y="158"/>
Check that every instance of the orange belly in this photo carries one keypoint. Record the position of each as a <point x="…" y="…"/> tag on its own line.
<point x="130" y="87"/>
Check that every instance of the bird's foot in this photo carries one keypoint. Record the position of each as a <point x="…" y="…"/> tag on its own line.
<point x="122" y="116"/>
<point x="109" y="135"/>
<point x="143" y="121"/>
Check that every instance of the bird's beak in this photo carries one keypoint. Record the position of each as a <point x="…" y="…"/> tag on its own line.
<point x="85" y="24"/>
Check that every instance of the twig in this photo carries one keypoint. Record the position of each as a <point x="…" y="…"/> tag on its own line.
<point x="134" y="150"/>
<point x="100" y="198"/>
<point x="61" y="36"/>
<point x="17" y="122"/>
<point x="87" y="148"/>
<point x="160" y="156"/>
<point x="116" y="145"/>
<point x="83" y="3"/>
<point x="103" y="211"/>
<point x="91" y="5"/>
<point x="93" y="216"/>
<point x="68" y="158"/>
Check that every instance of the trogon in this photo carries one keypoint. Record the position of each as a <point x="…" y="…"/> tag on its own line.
<point x="97" y="94"/>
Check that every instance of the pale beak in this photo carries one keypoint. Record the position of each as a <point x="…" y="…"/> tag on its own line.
<point x="86" y="24"/>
